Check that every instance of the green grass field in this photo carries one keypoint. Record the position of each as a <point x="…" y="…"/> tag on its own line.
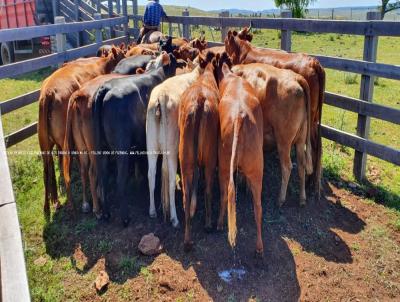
<point x="47" y="281"/>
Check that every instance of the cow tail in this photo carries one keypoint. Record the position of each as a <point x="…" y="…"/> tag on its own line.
<point x="68" y="145"/>
<point x="43" y="131"/>
<point x="161" y="108"/>
<point x="307" y="100"/>
<point x="232" y="229"/>
<point x="97" y="127"/>
<point x="197" y="119"/>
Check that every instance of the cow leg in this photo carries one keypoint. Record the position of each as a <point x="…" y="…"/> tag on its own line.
<point x="301" y="166"/>
<point x="92" y="182"/>
<point x="286" y="167"/>
<point x="209" y="177"/>
<point x="122" y="177"/>
<point x="172" y="168"/>
<point x="152" y="159"/>
<point x="84" y="170"/>
<point x="255" y="187"/>
<point x="223" y="184"/>
<point x="187" y="186"/>
<point x="102" y="177"/>
<point x="165" y="186"/>
<point x="61" y="184"/>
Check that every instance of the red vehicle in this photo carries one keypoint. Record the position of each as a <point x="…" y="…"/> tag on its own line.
<point x="23" y="13"/>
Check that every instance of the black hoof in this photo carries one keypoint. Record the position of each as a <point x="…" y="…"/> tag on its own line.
<point x="106" y="217"/>
<point x="125" y="222"/>
<point x="188" y="246"/>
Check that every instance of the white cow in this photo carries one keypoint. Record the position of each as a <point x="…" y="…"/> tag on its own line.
<point x="162" y="136"/>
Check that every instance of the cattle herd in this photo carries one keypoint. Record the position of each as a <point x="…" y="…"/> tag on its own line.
<point x="210" y="110"/>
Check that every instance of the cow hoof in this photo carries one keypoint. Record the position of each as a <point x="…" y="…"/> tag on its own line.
<point x="302" y="203"/>
<point x="259" y="254"/>
<point x="106" y="217"/>
<point x="125" y="222"/>
<point x="188" y="246"/>
<point x="175" y="222"/>
<point x="153" y="215"/>
<point x="85" y="208"/>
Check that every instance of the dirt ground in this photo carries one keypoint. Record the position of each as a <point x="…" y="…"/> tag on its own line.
<point x="342" y="248"/>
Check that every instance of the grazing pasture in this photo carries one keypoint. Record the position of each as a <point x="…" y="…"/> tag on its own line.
<point x="345" y="246"/>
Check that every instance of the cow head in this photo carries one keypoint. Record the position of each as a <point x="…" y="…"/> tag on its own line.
<point x="233" y="46"/>
<point x="223" y="65"/>
<point x="161" y="60"/>
<point x="116" y="55"/>
<point x="245" y="34"/>
<point x="167" y="45"/>
<point x="186" y="52"/>
<point x="200" y="44"/>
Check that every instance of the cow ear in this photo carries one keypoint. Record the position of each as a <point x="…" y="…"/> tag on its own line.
<point x="114" y="51"/>
<point x="235" y="33"/>
<point x="202" y="62"/>
<point x="122" y="46"/>
<point x="249" y="37"/>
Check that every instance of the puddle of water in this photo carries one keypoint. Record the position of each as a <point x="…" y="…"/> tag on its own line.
<point x="231" y="274"/>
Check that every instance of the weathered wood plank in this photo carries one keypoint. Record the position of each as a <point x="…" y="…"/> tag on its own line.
<point x="361" y="144"/>
<point x="14" y="282"/>
<point x="378" y="28"/>
<point x="27" y="33"/>
<point x="19" y="102"/>
<point x="20" y="135"/>
<point x="361" y="67"/>
<point x="362" y="107"/>
<point x="19" y="68"/>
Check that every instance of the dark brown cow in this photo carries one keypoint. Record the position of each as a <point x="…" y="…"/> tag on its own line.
<point x="242" y="52"/>
<point x="200" y="44"/>
<point x="53" y="103"/>
<point x="198" y="143"/>
<point x="186" y="52"/>
<point x="285" y="100"/>
<point x="240" y="147"/>
<point x="79" y="138"/>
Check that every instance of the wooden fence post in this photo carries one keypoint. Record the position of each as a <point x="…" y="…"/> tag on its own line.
<point x="76" y="13"/>
<point x="170" y="29"/>
<point x="60" y="38"/>
<point x="286" y="35"/>
<point x="366" y="94"/>
<point x="110" y="15"/>
<point x="224" y="29"/>
<point x="125" y="25"/>
<point x="99" y="34"/>
<point x="186" y="25"/>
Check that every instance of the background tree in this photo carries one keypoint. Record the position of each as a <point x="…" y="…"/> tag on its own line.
<point x="387" y="6"/>
<point x="298" y="7"/>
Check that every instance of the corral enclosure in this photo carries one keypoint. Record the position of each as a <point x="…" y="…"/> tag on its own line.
<point x="323" y="243"/>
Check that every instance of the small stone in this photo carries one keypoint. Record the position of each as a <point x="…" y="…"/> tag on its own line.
<point x="102" y="281"/>
<point x="40" y="261"/>
<point x="219" y="288"/>
<point x="150" y="245"/>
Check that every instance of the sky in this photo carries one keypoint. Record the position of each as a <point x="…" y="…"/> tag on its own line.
<point x="259" y="4"/>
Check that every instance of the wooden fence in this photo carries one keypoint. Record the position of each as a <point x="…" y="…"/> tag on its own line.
<point x="368" y="68"/>
<point x="12" y="267"/>
<point x="13" y="280"/>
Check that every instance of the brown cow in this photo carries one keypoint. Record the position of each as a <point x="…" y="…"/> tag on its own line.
<point x="198" y="143"/>
<point x="242" y="52"/>
<point x="79" y="137"/>
<point x="285" y="99"/>
<point x="240" y="147"/>
<point x="200" y="44"/>
<point x="186" y="52"/>
<point x="53" y="103"/>
<point x="140" y="50"/>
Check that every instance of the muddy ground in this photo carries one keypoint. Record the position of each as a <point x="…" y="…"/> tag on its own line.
<point x="342" y="248"/>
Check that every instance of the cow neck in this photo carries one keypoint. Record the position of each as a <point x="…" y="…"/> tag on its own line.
<point x="244" y="49"/>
